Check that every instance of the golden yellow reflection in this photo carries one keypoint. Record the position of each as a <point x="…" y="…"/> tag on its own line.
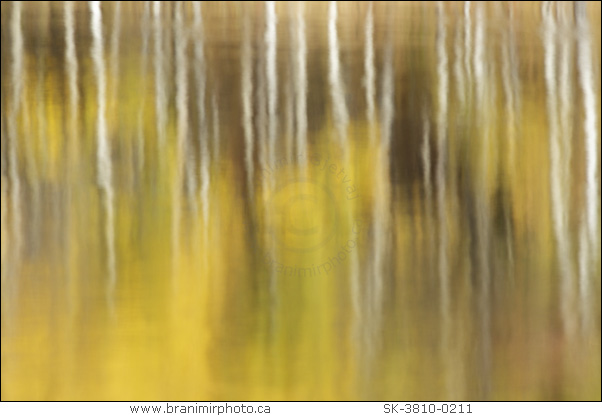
<point x="278" y="201"/>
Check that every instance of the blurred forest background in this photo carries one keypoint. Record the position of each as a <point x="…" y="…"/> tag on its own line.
<point x="167" y="217"/>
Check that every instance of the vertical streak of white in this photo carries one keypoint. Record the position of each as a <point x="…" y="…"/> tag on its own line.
<point x="272" y="79"/>
<point x="160" y="89"/>
<point x="201" y="76"/>
<point x="442" y="106"/>
<point x="103" y="150"/>
<point x="559" y="215"/>
<point x="483" y="99"/>
<point x="301" y="83"/>
<point x="143" y="72"/>
<point x="337" y="89"/>
<point x="247" y="106"/>
<point x="369" y="78"/>
<point x="72" y="154"/>
<point x="13" y="151"/>
<point x="181" y="69"/>
<point x="590" y="124"/>
<point x="590" y="227"/>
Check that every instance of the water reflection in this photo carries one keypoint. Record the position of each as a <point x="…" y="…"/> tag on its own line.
<point x="337" y="88"/>
<point x="103" y="159"/>
<point x="247" y="104"/>
<point x="160" y="106"/>
<point x="556" y="169"/>
<point x="591" y="216"/>
<point x="300" y="201"/>
<point x="442" y="108"/>
<point x="13" y="141"/>
<point x="300" y="81"/>
<point x="144" y="62"/>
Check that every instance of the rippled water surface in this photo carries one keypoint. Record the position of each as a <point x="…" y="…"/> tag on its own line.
<point x="273" y="201"/>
